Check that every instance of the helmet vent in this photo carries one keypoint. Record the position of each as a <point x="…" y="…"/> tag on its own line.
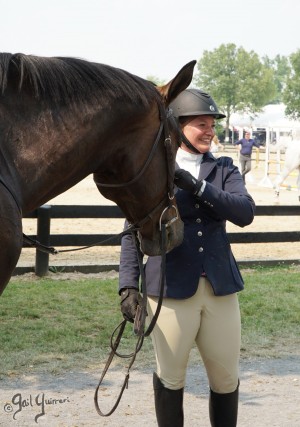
<point x="206" y="95"/>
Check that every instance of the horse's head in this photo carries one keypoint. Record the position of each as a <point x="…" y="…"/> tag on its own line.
<point x="144" y="169"/>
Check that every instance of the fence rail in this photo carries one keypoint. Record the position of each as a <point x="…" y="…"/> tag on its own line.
<point x="45" y="213"/>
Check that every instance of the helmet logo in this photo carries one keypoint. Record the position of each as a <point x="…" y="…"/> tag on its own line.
<point x="212" y="108"/>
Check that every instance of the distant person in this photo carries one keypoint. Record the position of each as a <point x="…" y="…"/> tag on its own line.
<point x="247" y="145"/>
<point x="216" y="145"/>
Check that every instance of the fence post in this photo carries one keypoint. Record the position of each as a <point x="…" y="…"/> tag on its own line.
<point x="43" y="236"/>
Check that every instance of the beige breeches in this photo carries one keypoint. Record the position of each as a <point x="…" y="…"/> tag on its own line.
<point x="213" y="323"/>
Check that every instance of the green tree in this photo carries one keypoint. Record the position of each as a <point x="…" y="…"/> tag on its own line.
<point x="237" y="80"/>
<point x="291" y="94"/>
<point x="281" y="69"/>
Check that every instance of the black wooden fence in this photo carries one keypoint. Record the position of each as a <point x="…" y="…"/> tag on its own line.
<point x="45" y="213"/>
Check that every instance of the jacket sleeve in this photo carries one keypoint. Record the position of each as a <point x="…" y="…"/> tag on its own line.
<point x="230" y="200"/>
<point x="129" y="272"/>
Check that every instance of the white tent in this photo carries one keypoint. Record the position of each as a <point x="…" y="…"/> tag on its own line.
<point x="272" y="116"/>
<point x="269" y="126"/>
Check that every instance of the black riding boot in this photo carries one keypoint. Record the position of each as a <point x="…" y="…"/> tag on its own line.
<point x="168" y="404"/>
<point x="223" y="408"/>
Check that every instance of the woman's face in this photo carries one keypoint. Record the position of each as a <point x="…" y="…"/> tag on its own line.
<point x="199" y="131"/>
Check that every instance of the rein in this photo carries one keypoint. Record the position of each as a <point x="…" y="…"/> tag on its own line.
<point x="141" y="314"/>
<point x="134" y="227"/>
<point x="138" y="328"/>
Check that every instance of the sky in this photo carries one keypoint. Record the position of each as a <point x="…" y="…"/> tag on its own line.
<point x="148" y="38"/>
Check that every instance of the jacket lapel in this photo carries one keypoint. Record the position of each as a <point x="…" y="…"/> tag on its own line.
<point x="207" y="165"/>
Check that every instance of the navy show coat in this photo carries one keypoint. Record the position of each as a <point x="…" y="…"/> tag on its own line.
<point x="205" y="248"/>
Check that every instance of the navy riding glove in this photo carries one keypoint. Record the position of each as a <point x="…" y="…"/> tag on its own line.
<point x="130" y="299"/>
<point x="186" y="181"/>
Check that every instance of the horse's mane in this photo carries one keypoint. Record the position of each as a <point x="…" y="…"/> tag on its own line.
<point x="64" y="80"/>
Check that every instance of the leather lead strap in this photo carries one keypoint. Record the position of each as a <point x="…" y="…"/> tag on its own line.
<point x="139" y="326"/>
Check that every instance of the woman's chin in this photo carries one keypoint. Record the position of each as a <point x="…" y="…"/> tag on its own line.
<point x="203" y="149"/>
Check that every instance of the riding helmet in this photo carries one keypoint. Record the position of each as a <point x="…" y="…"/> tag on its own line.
<point x="195" y="102"/>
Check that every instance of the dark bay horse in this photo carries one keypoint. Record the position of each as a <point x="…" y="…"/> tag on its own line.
<point x="62" y="119"/>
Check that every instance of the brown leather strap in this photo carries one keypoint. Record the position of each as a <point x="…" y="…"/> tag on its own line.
<point x="139" y="326"/>
<point x="114" y="347"/>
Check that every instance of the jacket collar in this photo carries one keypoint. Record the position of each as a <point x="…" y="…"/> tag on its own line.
<point x="208" y="164"/>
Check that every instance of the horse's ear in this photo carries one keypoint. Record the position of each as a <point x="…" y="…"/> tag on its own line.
<point x="180" y="82"/>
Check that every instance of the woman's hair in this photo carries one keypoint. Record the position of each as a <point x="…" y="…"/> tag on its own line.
<point x="184" y="120"/>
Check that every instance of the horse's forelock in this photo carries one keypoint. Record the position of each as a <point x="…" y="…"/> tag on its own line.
<point x="63" y="79"/>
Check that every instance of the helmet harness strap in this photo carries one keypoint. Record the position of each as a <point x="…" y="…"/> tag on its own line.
<point x="187" y="142"/>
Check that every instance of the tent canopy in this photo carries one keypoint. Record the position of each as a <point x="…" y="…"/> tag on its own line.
<point x="272" y="116"/>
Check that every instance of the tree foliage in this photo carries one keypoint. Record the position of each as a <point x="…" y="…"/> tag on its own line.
<point x="291" y="94"/>
<point x="281" y="69"/>
<point x="236" y="79"/>
<point x="240" y="82"/>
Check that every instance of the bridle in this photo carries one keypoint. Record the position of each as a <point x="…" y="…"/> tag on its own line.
<point x="164" y="126"/>
<point x="140" y="318"/>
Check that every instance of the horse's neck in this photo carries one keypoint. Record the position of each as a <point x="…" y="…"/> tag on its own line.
<point x="49" y="153"/>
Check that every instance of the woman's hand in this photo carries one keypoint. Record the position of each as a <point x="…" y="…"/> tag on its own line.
<point x="186" y="181"/>
<point x="130" y="299"/>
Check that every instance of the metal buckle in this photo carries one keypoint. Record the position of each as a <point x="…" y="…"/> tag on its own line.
<point x="170" y="222"/>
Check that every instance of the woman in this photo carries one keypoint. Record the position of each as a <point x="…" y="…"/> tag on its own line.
<point x="202" y="278"/>
<point x="216" y="145"/>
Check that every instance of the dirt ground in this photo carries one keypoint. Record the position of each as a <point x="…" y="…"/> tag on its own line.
<point x="269" y="397"/>
<point x="270" y="388"/>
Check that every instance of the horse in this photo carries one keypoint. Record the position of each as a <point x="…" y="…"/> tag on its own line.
<point x="62" y="119"/>
<point x="291" y="163"/>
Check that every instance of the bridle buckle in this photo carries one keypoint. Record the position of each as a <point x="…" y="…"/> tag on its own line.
<point x="172" y="220"/>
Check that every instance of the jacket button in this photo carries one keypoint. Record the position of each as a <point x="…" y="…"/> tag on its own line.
<point x="200" y="249"/>
<point x="197" y="206"/>
<point x="198" y="220"/>
<point x="199" y="233"/>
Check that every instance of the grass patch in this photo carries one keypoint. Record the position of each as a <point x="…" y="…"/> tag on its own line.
<point x="270" y="311"/>
<point x="54" y="326"/>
